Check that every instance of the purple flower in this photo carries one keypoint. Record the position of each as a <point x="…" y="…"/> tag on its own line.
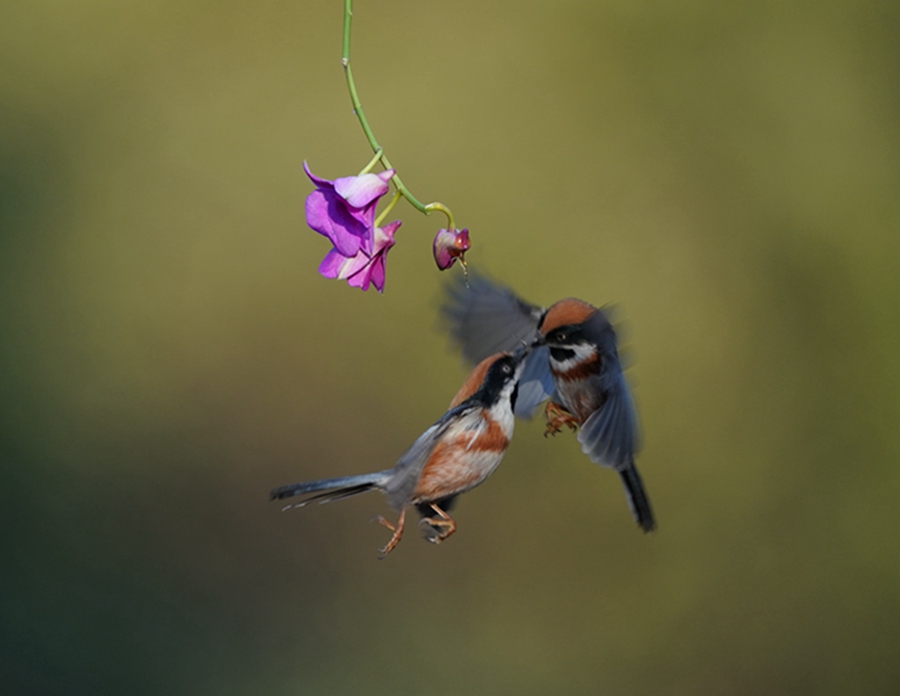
<point x="344" y="210"/>
<point x="450" y="245"/>
<point x="361" y="268"/>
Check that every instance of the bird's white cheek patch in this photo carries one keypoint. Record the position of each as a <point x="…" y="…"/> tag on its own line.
<point x="582" y="353"/>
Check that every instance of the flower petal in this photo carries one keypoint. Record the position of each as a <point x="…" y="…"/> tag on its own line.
<point x="344" y="210"/>
<point x="361" y="280"/>
<point x="336" y="265"/>
<point x="384" y="240"/>
<point x="384" y="236"/>
<point x="326" y="214"/>
<point x="321" y="183"/>
<point x="360" y="191"/>
<point x="331" y="264"/>
<point x="378" y="272"/>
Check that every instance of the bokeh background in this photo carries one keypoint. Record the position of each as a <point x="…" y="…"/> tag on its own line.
<point x="727" y="174"/>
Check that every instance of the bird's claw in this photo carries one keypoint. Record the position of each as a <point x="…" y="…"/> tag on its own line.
<point x="397" y="530"/>
<point x="383" y="522"/>
<point x="557" y="416"/>
<point x="441" y="527"/>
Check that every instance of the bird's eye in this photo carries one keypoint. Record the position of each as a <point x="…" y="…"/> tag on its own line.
<point x="561" y="336"/>
<point x="507" y="369"/>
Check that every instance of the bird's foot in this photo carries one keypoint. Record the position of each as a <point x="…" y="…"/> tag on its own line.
<point x="397" y="530"/>
<point x="441" y="527"/>
<point x="557" y="417"/>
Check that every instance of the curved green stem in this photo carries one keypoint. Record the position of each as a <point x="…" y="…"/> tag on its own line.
<point x="368" y="168"/>
<point x="367" y="129"/>
<point x="451" y="224"/>
<point x="388" y="208"/>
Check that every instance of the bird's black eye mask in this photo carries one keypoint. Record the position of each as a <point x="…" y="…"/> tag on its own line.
<point x="566" y="336"/>
<point x="497" y="377"/>
<point x="562" y="354"/>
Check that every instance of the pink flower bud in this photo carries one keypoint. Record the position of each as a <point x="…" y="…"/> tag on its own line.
<point x="450" y="245"/>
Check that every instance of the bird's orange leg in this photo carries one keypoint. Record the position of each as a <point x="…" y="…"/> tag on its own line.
<point x="398" y="532"/>
<point x="557" y="416"/>
<point x="444" y="521"/>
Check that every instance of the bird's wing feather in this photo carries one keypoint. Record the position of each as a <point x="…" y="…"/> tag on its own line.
<point x="406" y="473"/>
<point x="609" y="435"/>
<point x="535" y="383"/>
<point x="485" y="318"/>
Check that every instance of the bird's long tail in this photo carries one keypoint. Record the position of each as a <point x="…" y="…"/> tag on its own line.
<point x="637" y="498"/>
<point x="326" y="490"/>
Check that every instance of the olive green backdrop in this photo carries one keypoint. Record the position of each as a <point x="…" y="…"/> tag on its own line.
<point x="727" y="174"/>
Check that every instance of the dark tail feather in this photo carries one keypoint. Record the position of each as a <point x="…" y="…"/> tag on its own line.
<point x="327" y="490"/>
<point x="637" y="498"/>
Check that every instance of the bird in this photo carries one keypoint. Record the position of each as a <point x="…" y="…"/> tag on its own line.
<point x="456" y="454"/>
<point x="574" y="367"/>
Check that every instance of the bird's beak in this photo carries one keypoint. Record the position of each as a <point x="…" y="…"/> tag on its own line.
<point x="520" y="352"/>
<point x="539" y="341"/>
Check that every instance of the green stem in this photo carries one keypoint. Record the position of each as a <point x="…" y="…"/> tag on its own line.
<point x="388" y="209"/>
<point x="451" y="224"/>
<point x="372" y="162"/>
<point x="370" y="136"/>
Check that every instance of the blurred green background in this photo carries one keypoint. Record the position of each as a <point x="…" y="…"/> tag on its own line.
<point x="728" y="174"/>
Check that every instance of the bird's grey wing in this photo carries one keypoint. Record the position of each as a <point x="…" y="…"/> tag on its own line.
<point x="535" y="383"/>
<point x="406" y="473"/>
<point x="610" y="434"/>
<point x="485" y="318"/>
<point x="610" y="437"/>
